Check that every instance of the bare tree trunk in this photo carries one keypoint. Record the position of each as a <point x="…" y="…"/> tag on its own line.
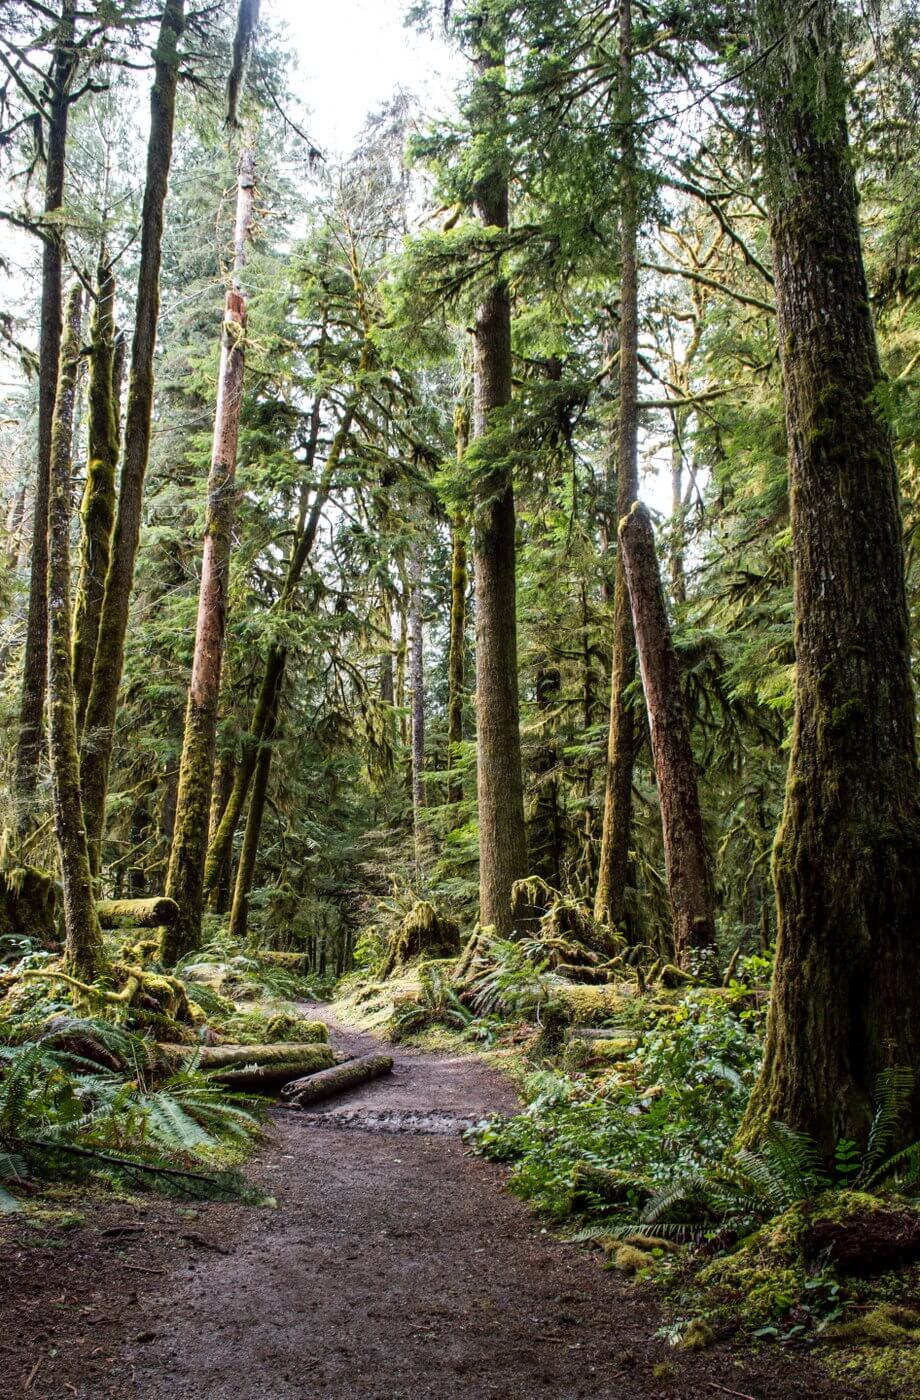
<point x="35" y="661"/>
<point x="456" y="662"/>
<point x="610" y="897"/>
<point x="220" y="796"/>
<point x="245" y="871"/>
<point x="275" y="662"/>
<point x="97" y="511"/>
<point x="675" y="769"/>
<point x="502" y="835"/>
<point x="417" y="682"/>
<point x="99" y="729"/>
<point x="845" y="1003"/>
<point x="185" y="878"/>
<point x="83" y="946"/>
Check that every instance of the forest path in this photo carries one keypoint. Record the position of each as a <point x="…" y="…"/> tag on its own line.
<point x="394" y="1268"/>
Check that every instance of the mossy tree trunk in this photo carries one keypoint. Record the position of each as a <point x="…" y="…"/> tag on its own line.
<point x="224" y="774"/>
<point x="252" y="832"/>
<point x="97" y="510"/>
<point x="83" y="939"/>
<point x="275" y="662"/>
<point x="35" y="661"/>
<point x="613" y="866"/>
<point x="456" y="661"/>
<point x="846" y="990"/>
<point x="417" y="682"/>
<point x="502" y="837"/>
<point x="99" y="728"/>
<point x="185" y="877"/>
<point x="687" y="867"/>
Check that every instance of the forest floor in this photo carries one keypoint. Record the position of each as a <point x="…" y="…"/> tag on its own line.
<point x="393" y="1268"/>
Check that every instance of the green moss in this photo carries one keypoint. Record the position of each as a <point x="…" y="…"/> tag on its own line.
<point x="697" y="1336"/>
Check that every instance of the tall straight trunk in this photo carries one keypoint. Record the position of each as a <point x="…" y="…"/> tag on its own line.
<point x="97" y="510"/>
<point x="185" y="877"/>
<point x="83" y="946"/>
<point x="99" y="728"/>
<point x="252" y="832"/>
<point x="610" y="896"/>
<point x="456" y="659"/>
<point x="502" y="836"/>
<point x="417" y="682"/>
<point x="220" y="795"/>
<point x="687" y="868"/>
<point x="14" y="522"/>
<point x="275" y="662"/>
<point x="35" y="661"/>
<point x="846" y="990"/>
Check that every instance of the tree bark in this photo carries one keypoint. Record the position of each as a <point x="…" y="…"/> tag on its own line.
<point x="246" y="869"/>
<point x="846" y="990"/>
<point x="456" y="661"/>
<point x="675" y="769"/>
<point x="328" y="1082"/>
<point x="99" y="729"/>
<point x="225" y="772"/>
<point x="610" y="896"/>
<point x="97" y="510"/>
<point x="417" y="682"/>
<point x="275" y="661"/>
<point x="34" y="669"/>
<point x="83" y="939"/>
<point x="185" y="877"/>
<point x="502" y="837"/>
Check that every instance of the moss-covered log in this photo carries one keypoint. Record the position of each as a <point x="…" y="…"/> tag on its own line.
<point x="324" y="1085"/>
<point x="136" y="913"/>
<point x="272" y="1063"/>
<point x="28" y="904"/>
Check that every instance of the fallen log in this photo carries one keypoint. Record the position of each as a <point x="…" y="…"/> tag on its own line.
<point x="253" y="1066"/>
<point x="159" y="912"/>
<point x="314" y="1087"/>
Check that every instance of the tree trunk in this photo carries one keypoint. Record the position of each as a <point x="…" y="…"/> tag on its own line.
<point x="502" y="838"/>
<point x="846" y="989"/>
<point x="417" y="682"/>
<point x="610" y="896"/>
<point x="83" y="940"/>
<point x="675" y="769"/>
<point x="245" y="871"/>
<point x="99" y="729"/>
<point x="97" y="511"/>
<point x="219" y="897"/>
<point x="275" y="662"/>
<point x="34" y="667"/>
<point x="459" y="579"/>
<point x="328" y="1082"/>
<point x="185" y="877"/>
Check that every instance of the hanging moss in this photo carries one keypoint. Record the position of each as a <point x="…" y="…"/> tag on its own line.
<point x="423" y="933"/>
<point x="29" y="901"/>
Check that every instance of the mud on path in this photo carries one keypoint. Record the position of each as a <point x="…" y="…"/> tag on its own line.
<point x="394" y="1268"/>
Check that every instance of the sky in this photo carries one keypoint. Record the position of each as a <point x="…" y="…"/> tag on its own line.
<point x="352" y="55"/>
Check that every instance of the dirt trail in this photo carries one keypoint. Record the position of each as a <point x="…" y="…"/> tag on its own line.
<point x="394" y="1268"/>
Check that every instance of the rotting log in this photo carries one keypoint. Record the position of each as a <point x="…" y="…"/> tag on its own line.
<point x="159" y="912"/>
<point x="314" y="1087"/>
<point x="253" y="1066"/>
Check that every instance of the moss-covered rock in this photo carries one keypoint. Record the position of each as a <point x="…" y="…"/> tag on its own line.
<point x="696" y="1336"/>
